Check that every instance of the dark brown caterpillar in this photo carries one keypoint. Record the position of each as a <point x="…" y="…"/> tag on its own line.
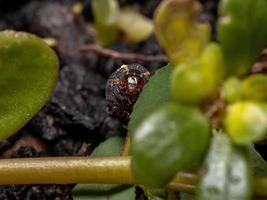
<point x="123" y="88"/>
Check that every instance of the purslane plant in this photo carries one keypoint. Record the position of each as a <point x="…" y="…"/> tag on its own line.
<point x="166" y="140"/>
<point x="174" y="144"/>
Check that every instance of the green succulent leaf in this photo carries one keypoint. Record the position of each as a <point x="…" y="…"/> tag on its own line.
<point x="105" y="17"/>
<point x="29" y="70"/>
<point x="165" y="143"/>
<point x="111" y="147"/>
<point x="155" y="93"/>
<point x="201" y="77"/>
<point x="228" y="172"/>
<point x="246" y="122"/>
<point x="242" y="32"/>
<point x="178" y="30"/>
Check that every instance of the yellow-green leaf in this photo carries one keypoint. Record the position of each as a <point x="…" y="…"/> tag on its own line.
<point x="246" y="121"/>
<point x="201" y="77"/>
<point x="134" y="25"/>
<point x="181" y="35"/>
<point x="105" y="15"/>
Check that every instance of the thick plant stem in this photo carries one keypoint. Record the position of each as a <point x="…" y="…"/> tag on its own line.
<point x="65" y="170"/>
<point x="105" y="170"/>
<point x="68" y="170"/>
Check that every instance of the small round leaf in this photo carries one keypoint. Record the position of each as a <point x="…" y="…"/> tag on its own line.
<point x="29" y="70"/>
<point x="200" y="77"/>
<point x="246" y="122"/>
<point x="165" y="143"/>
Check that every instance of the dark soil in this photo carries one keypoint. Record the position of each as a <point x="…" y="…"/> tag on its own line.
<point x="76" y="118"/>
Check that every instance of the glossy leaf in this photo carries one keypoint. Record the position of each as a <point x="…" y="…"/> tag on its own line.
<point x="111" y="147"/>
<point x="178" y="30"/>
<point x="242" y="32"/>
<point x="165" y="143"/>
<point x="135" y="26"/>
<point x="200" y="77"/>
<point x="246" y="122"/>
<point x="29" y="70"/>
<point x="155" y="93"/>
<point x="105" y="16"/>
<point x="228" y="173"/>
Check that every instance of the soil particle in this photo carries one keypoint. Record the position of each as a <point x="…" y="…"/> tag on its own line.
<point x="7" y="6"/>
<point x="35" y="192"/>
<point x="77" y="102"/>
<point x="72" y="147"/>
<point x="9" y="142"/>
<point x="27" y="141"/>
<point x="210" y="15"/>
<point x="44" y="125"/>
<point x="148" y="7"/>
<point x="140" y="195"/>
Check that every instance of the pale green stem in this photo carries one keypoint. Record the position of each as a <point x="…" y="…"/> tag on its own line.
<point x="105" y="170"/>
